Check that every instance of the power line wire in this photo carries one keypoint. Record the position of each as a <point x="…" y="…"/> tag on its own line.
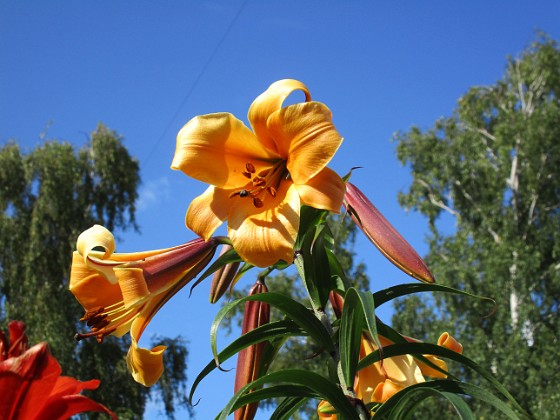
<point x="195" y="83"/>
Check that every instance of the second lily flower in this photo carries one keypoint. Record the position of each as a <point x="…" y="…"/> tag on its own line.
<point x="122" y="292"/>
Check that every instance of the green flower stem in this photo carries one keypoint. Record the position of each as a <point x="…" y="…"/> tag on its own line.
<point x="264" y="273"/>
<point x="335" y="354"/>
<point x="224" y="240"/>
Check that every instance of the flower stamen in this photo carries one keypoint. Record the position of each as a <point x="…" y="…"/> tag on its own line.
<point x="268" y="180"/>
<point x="103" y="323"/>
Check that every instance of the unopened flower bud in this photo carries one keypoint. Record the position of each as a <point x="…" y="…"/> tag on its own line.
<point x="337" y="302"/>
<point x="248" y="360"/>
<point x="223" y="278"/>
<point x="384" y="236"/>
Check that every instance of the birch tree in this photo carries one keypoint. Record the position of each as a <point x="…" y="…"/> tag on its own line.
<point x="487" y="180"/>
<point x="47" y="197"/>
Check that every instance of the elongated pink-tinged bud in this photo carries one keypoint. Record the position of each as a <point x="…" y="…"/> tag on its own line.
<point x="222" y="279"/>
<point x="248" y="360"/>
<point x="384" y="236"/>
<point x="337" y="302"/>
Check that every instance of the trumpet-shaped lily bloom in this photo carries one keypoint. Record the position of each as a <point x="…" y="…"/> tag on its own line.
<point x="122" y="292"/>
<point x="31" y="386"/>
<point x="260" y="178"/>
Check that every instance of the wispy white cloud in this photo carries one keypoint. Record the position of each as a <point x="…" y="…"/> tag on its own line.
<point x="153" y="193"/>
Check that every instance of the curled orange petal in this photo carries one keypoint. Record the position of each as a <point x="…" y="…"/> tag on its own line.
<point x="447" y="341"/>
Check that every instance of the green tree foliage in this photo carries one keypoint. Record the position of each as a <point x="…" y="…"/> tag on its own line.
<point x="487" y="180"/>
<point x="47" y="198"/>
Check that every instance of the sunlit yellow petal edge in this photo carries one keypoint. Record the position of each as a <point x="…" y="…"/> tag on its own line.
<point x="146" y="366"/>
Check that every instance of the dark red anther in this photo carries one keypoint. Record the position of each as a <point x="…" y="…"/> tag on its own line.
<point x="250" y="167"/>
<point x="271" y="191"/>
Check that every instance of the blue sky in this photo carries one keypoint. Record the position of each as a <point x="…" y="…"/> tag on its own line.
<point x="145" y="68"/>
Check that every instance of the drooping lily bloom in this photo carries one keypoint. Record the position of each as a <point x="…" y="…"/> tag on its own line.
<point x="31" y="386"/>
<point x="384" y="236"/>
<point x="122" y="292"/>
<point x="259" y="179"/>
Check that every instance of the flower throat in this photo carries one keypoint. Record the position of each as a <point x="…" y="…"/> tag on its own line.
<point x="265" y="182"/>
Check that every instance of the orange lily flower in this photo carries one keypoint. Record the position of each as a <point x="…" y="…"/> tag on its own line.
<point x="31" y="386"/>
<point x="381" y="380"/>
<point x="259" y="179"/>
<point x="122" y="292"/>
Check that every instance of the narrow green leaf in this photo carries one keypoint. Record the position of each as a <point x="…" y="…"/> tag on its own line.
<point x="278" y="329"/>
<point x="313" y="266"/>
<point x="228" y="257"/>
<point x="393" y="408"/>
<point x="275" y="391"/>
<point x="309" y="217"/>
<point x="287" y="407"/>
<point x="385" y="295"/>
<point x="337" y="272"/>
<point x="291" y="308"/>
<point x="298" y="379"/>
<point x="460" y="405"/>
<point x="407" y="408"/>
<point x="357" y="314"/>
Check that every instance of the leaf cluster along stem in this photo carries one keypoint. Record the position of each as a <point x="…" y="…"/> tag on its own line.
<point x="319" y="312"/>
